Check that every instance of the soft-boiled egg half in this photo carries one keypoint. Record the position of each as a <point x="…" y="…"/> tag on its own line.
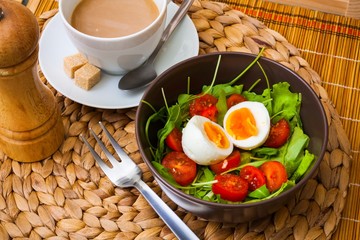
<point x="248" y="124"/>
<point x="204" y="141"/>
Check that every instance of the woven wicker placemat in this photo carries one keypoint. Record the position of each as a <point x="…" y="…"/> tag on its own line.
<point x="68" y="197"/>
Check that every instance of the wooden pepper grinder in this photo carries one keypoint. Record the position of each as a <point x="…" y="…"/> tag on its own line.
<point x="31" y="128"/>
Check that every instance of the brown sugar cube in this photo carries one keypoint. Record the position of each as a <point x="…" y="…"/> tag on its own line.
<point x="73" y="63"/>
<point x="87" y="76"/>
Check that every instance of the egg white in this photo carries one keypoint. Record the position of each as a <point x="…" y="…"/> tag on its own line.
<point x="262" y="122"/>
<point x="197" y="145"/>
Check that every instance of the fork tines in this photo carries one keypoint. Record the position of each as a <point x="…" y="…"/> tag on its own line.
<point x="120" y="152"/>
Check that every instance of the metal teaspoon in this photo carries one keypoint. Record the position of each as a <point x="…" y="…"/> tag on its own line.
<point x="145" y="73"/>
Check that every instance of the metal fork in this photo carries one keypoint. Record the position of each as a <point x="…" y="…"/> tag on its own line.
<point x="126" y="173"/>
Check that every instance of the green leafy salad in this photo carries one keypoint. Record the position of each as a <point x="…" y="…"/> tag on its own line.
<point x="243" y="174"/>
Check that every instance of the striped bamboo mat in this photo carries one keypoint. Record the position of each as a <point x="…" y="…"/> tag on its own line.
<point x="68" y="197"/>
<point x="331" y="45"/>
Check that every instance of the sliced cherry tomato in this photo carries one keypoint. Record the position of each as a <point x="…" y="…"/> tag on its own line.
<point x="234" y="99"/>
<point x="181" y="167"/>
<point x="210" y="113"/>
<point x="232" y="161"/>
<point x="279" y="134"/>
<point x="275" y="174"/>
<point x="254" y="176"/>
<point x="173" y="140"/>
<point x="204" y="106"/>
<point x="230" y="187"/>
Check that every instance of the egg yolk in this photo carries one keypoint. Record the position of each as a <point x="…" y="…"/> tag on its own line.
<point x="241" y="124"/>
<point x="216" y="135"/>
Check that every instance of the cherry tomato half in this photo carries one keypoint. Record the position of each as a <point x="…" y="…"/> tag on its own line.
<point x="232" y="161"/>
<point x="275" y="174"/>
<point x="181" y="167"/>
<point x="254" y="176"/>
<point x="279" y="134"/>
<point x="234" y="99"/>
<point x="204" y="106"/>
<point x="230" y="187"/>
<point x="173" y="140"/>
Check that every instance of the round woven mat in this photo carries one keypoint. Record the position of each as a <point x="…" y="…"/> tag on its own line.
<point x="67" y="196"/>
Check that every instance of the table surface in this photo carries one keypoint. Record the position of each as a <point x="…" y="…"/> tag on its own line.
<point x="323" y="48"/>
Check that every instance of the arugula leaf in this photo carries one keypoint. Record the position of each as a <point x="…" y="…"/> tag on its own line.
<point x="228" y="87"/>
<point x="210" y="196"/>
<point x="173" y="120"/>
<point x="208" y="174"/>
<point x="264" y="98"/>
<point x="185" y="98"/>
<point x="297" y="143"/>
<point x="285" y="186"/>
<point x="225" y="88"/>
<point x="285" y="103"/>
<point x="165" y="174"/>
<point x="157" y="116"/>
<point x="304" y="166"/>
<point x="245" y="156"/>
<point x="221" y="107"/>
<point x="253" y="163"/>
<point x="261" y="192"/>
<point x="265" y="152"/>
<point x="201" y="187"/>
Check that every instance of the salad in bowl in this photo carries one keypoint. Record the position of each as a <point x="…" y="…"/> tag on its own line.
<point x="227" y="133"/>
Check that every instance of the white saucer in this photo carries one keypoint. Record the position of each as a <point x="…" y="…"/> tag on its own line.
<point x="55" y="45"/>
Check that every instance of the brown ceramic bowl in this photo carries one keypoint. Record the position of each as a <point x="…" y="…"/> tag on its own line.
<point x="200" y="69"/>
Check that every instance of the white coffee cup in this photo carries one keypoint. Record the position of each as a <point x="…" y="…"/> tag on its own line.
<point x="115" y="55"/>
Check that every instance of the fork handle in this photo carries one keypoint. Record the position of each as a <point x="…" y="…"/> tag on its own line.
<point x="177" y="226"/>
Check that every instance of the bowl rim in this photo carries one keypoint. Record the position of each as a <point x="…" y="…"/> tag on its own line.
<point x="288" y="193"/>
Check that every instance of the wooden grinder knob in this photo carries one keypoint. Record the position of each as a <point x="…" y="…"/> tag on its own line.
<point x="31" y="128"/>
